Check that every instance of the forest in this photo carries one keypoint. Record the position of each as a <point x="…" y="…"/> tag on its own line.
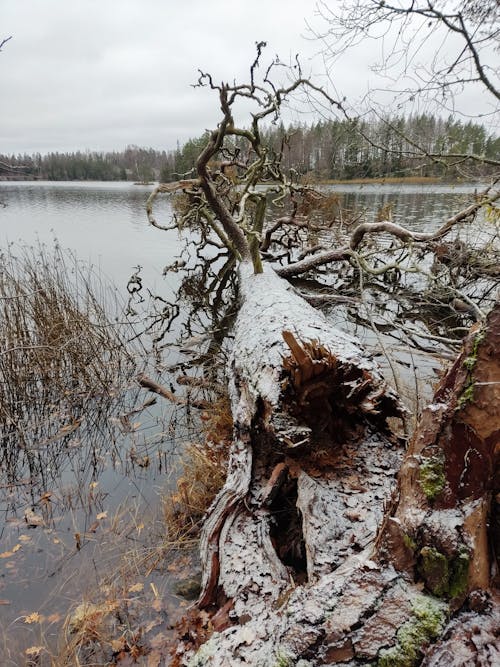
<point x="372" y="147"/>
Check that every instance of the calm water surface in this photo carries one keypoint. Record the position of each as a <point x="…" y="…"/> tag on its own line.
<point x="41" y="569"/>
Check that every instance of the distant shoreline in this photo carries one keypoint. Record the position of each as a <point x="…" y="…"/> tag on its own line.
<point x="375" y="180"/>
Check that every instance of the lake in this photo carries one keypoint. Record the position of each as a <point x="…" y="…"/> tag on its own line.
<point x="46" y="568"/>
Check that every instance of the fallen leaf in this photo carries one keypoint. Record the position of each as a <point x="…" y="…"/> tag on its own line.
<point x="102" y="515"/>
<point x="157" y="604"/>
<point x="154" y="659"/>
<point x="136" y="588"/>
<point x="34" y="651"/>
<point x="8" y="554"/>
<point x="118" y="644"/>
<point x="24" y="538"/>
<point x="35" y="617"/>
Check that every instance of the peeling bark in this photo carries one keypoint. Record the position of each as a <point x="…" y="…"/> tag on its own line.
<point x="310" y="550"/>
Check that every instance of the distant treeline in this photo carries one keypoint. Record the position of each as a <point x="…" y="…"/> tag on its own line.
<point x="323" y="150"/>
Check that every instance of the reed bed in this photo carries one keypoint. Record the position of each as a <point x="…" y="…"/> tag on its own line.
<point x="59" y="352"/>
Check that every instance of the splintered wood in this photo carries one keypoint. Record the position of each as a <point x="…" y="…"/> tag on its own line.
<point x="328" y="389"/>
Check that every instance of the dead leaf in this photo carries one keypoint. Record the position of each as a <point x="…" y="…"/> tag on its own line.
<point x="35" y="617"/>
<point x="157" y="604"/>
<point x="154" y="659"/>
<point x="136" y="588"/>
<point x="118" y="644"/>
<point x="8" y="554"/>
<point x="4" y="602"/>
<point x="34" y="651"/>
<point x="102" y="515"/>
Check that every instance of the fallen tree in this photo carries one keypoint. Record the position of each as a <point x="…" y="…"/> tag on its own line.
<point x="305" y="558"/>
<point x="313" y="551"/>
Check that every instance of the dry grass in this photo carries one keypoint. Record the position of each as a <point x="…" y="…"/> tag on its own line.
<point x="202" y="474"/>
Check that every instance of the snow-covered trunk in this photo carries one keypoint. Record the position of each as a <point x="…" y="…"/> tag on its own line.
<point x="306" y="550"/>
<point x="313" y="461"/>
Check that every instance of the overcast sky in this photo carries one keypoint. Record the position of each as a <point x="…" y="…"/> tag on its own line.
<point x="102" y="74"/>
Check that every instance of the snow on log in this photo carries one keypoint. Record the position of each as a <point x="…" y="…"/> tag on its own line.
<point x="398" y="601"/>
<point x="312" y="465"/>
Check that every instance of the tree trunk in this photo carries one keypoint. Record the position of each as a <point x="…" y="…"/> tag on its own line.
<point x="311" y="552"/>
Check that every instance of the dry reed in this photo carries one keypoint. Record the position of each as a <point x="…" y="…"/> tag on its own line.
<point x="59" y="351"/>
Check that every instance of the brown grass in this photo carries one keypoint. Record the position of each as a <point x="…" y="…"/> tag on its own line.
<point x="202" y="475"/>
<point x="59" y="349"/>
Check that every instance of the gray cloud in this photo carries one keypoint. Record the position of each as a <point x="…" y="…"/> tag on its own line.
<point x="101" y="74"/>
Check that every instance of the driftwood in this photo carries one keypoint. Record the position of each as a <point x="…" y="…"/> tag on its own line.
<point x="312" y="554"/>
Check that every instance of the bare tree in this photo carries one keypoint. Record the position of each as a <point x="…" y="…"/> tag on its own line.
<point x="435" y="49"/>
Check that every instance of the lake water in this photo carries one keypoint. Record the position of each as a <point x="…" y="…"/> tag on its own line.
<point x="44" y="570"/>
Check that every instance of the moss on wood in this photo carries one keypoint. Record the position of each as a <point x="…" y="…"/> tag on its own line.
<point x="425" y="625"/>
<point x="432" y="476"/>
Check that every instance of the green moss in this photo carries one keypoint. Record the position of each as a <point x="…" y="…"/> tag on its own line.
<point x="434" y="571"/>
<point x="431" y="476"/>
<point x="283" y="660"/>
<point x="409" y="542"/>
<point x="467" y="395"/>
<point x="459" y="577"/>
<point x="444" y="577"/>
<point x="426" y="623"/>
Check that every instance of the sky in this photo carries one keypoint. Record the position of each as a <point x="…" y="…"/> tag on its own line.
<point x="104" y="74"/>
